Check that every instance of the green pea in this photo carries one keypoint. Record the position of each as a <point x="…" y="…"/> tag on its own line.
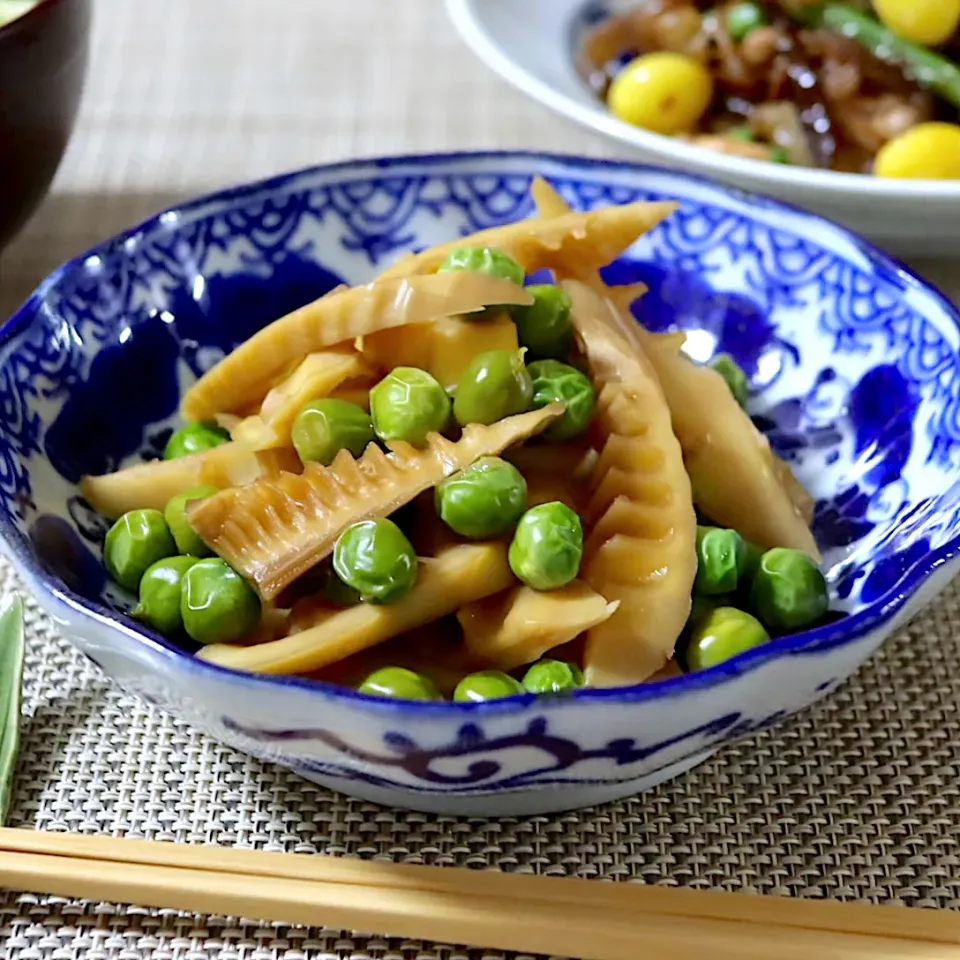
<point x="789" y="592"/>
<point x="554" y="382"/>
<point x="547" y="546"/>
<point x="743" y="19"/>
<point x="217" y="604"/>
<point x="377" y="560"/>
<point x="723" y="634"/>
<point x="722" y="560"/>
<point x="780" y="155"/>
<point x="407" y="405"/>
<point x="486" y="685"/>
<point x="194" y="438"/>
<point x="175" y="513"/>
<point x="552" y="676"/>
<point x="160" y="594"/>
<point x="483" y="501"/>
<point x="544" y="327"/>
<point x="744" y="133"/>
<point x="700" y="608"/>
<point x="732" y="372"/>
<point x="400" y="684"/>
<point x="136" y="541"/>
<point x="324" y="427"/>
<point x="489" y="261"/>
<point x="494" y="385"/>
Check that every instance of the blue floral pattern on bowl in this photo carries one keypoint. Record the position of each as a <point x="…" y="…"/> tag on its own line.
<point x="853" y="364"/>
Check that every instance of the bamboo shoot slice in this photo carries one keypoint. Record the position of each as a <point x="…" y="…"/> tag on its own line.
<point x="572" y="458"/>
<point x="443" y="348"/>
<point x="408" y="346"/>
<point x="669" y="671"/>
<point x="737" y="481"/>
<point x="455" y="342"/>
<point x="152" y="484"/>
<point x="548" y="202"/>
<point x="318" y="375"/>
<point x="321" y="374"/>
<point x="241" y="379"/>
<point x="547" y="488"/>
<point x="228" y="421"/>
<point x="736" y="478"/>
<point x="799" y="496"/>
<point x="455" y="577"/>
<point x="554" y="472"/>
<point x="252" y="432"/>
<point x="433" y="650"/>
<point x="277" y="460"/>
<point x="592" y="239"/>
<point x="642" y="549"/>
<point x="616" y="482"/>
<point x="276" y="529"/>
<point x="354" y="393"/>
<point x="515" y="628"/>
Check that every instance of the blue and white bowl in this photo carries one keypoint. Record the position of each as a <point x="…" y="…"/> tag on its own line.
<point x="855" y="374"/>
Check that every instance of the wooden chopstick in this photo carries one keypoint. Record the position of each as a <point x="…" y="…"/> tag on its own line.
<point x="937" y="926"/>
<point x="567" y="917"/>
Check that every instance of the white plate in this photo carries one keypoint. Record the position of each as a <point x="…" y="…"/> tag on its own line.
<point x="530" y="43"/>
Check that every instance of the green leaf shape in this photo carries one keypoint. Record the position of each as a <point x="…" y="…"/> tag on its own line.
<point x="12" y="649"/>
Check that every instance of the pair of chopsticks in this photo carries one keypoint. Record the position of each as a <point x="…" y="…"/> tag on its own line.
<point x="561" y="917"/>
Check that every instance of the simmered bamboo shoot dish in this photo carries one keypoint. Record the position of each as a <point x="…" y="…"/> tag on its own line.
<point x="454" y="482"/>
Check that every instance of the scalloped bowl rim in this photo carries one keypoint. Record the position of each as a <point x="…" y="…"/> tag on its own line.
<point x="840" y="633"/>
<point x="767" y="176"/>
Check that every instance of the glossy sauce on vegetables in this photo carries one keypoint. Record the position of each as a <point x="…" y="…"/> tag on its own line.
<point x="794" y="81"/>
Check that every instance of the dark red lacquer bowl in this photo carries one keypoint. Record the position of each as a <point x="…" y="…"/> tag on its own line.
<point x="43" y="59"/>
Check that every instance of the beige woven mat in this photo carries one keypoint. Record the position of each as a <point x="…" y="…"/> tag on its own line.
<point x="857" y="798"/>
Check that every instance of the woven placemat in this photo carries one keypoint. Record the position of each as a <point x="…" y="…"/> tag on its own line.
<point x="856" y="798"/>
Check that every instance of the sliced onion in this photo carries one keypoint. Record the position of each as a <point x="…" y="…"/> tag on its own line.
<point x="779" y="122"/>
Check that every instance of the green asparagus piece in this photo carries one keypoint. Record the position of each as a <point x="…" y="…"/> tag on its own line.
<point x="928" y="69"/>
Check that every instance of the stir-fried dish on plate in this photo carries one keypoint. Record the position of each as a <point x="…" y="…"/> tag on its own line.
<point x="475" y="476"/>
<point x="860" y="87"/>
